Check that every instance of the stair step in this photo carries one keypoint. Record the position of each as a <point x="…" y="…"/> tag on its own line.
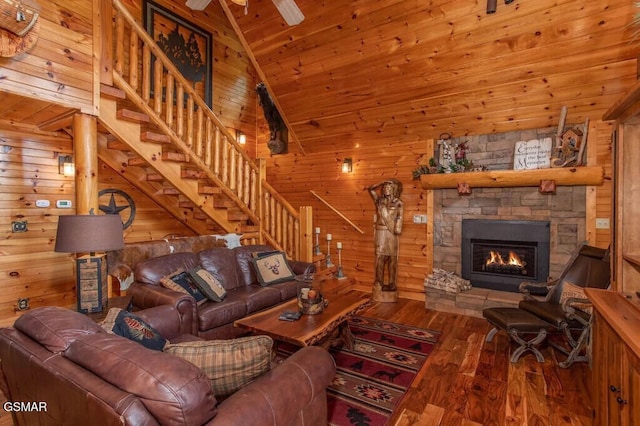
<point x="238" y="215"/>
<point x="186" y="204"/>
<point x="246" y="229"/>
<point x="155" y="177"/>
<point x="192" y="174"/>
<point x="117" y="145"/>
<point x="111" y="92"/>
<point x="174" y="156"/>
<point x="170" y="191"/>
<point x="149" y="136"/>
<point x="136" y="162"/>
<point x="206" y="189"/>
<point x="198" y="214"/>
<point x="223" y="203"/>
<point x="134" y="116"/>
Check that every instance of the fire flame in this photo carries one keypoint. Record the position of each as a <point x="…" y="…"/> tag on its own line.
<point x="496" y="259"/>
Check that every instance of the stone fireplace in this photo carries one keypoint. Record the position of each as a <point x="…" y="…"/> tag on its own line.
<point x="564" y="211"/>
<point x="500" y="254"/>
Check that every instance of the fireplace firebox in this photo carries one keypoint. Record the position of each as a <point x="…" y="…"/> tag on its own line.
<point x="500" y="254"/>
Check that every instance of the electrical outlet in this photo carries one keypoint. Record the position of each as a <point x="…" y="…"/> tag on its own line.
<point x="23" y="304"/>
<point x="19" y="226"/>
<point x="602" y="223"/>
<point x="419" y="218"/>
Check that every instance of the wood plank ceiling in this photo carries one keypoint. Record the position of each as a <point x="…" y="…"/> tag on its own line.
<point x="372" y="73"/>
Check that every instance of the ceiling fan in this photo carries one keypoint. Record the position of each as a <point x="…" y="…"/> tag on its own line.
<point x="287" y="8"/>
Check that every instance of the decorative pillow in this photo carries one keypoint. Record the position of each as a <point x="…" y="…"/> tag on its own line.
<point x="128" y="325"/>
<point x="180" y="281"/>
<point x="229" y="364"/>
<point x="571" y="290"/>
<point x="272" y="268"/>
<point x="209" y="285"/>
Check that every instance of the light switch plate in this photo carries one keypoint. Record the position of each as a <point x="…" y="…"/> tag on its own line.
<point x="602" y="223"/>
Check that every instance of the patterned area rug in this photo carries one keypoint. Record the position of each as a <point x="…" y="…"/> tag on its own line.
<point x="372" y="379"/>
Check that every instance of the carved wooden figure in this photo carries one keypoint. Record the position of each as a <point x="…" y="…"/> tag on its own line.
<point x="388" y="227"/>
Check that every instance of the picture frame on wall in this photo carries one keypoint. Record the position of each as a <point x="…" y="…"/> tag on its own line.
<point x="187" y="45"/>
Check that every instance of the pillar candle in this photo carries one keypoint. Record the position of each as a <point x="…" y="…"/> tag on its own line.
<point x="339" y="245"/>
<point x="328" y="237"/>
<point x="317" y="230"/>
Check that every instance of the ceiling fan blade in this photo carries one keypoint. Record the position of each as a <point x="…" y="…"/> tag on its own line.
<point x="289" y="11"/>
<point x="197" y="4"/>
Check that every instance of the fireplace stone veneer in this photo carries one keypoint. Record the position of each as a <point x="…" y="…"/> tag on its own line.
<point x="488" y="246"/>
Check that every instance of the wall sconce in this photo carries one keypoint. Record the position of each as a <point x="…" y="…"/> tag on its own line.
<point x="347" y="165"/>
<point x="66" y="166"/>
<point x="241" y="138"/>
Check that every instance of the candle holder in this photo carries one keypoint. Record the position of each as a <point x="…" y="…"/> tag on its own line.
<point x="340" y="274"/>
<point x="316" y="250"/>
<point x="328" y="258"/>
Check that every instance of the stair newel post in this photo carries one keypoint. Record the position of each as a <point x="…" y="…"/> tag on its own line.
<point x="262" y="177"/>
<point x="304" y="240"/>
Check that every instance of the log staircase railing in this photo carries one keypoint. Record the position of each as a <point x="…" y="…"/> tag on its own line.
<point x="196" y="132"/>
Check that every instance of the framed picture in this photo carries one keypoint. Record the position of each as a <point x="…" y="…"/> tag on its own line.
<point x="188" y="46"/>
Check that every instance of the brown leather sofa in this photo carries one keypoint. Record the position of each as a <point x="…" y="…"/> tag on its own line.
<point x="77" y="374"/>
<point x="234" y="269"/>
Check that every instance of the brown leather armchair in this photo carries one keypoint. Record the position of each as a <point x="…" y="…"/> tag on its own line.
<point x="565" y="307"/>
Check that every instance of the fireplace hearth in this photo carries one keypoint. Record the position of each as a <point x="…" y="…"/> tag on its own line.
<point x="500" y="254"/>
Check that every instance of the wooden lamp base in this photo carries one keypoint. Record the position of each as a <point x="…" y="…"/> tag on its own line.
<point x="92" y="285"/>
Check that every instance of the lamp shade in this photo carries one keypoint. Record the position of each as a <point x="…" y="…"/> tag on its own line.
<point x="89" y="233"/>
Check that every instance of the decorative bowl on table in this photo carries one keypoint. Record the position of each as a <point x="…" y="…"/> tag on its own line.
<point x="310" y="294"/>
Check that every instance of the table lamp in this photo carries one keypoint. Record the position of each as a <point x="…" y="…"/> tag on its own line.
<point x="89" y="234"/>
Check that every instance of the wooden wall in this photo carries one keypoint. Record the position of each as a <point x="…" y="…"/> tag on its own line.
<point x="60" y="68"/>
<point x="29" y="268"/>
<point x="296" y="175"/>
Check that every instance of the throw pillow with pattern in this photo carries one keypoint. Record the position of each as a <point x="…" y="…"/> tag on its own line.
<point x="209" y="285"/>
<point x="272" y="268"/>
<point x="130" y="326"/>
<point x="181" y="281"/>
<point x="229" y="364"/>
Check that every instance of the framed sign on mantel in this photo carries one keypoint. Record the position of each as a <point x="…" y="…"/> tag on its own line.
<point x="188" y="46"/>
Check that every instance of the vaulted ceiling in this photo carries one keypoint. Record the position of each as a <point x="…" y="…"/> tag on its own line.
<point x="375" y="72"/>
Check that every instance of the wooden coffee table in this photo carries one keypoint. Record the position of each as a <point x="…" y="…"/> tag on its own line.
<point x="328" y="328"/>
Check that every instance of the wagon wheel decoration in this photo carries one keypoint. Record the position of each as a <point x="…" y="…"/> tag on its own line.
<point x="118" y="203"/>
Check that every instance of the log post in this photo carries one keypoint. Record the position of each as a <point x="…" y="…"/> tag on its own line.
<point x="85" y="141"/>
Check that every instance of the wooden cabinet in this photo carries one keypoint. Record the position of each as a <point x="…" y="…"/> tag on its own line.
<point x="616" y="328"/>
<point x="616" y="377"/>
<point x="626" y="195"/>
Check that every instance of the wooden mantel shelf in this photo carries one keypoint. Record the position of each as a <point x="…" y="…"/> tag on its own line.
<point x="585" y="175"/>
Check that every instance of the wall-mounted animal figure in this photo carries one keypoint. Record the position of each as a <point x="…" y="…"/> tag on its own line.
<point x="279" y="134"/>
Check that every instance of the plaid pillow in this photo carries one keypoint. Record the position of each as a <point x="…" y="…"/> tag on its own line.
<point x="209" y="285"/>
<point x="229" y="364"/>
<point x="272" y="268"/>
<point x="128" y="325"/>
<point x="181" y="282"/>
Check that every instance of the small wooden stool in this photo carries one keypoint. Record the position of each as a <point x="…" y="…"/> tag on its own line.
<point x="517" y="323"/>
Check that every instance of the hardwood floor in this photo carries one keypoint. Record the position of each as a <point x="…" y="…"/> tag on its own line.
<point x="467" y="381"/>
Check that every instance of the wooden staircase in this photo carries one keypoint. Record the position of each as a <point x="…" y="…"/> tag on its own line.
<point x="145" y="157"/>
<point x="179" y="153"/>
